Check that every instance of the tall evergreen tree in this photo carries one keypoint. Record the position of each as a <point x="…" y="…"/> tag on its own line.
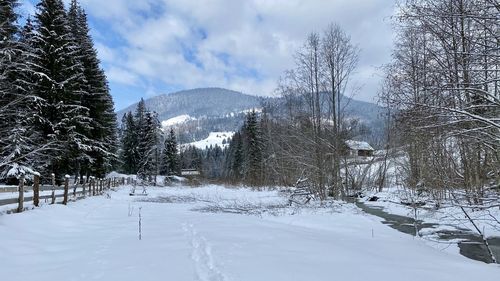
<point x="139" y="119"/>
<point x="20" y="148"/>
<point x="60" y="83"/>
<point x="129" y="145"/>
<point x="171" y="163"/>
<point x="253" y="154"/>
<point x="9" y="51"/>
<point x="149" y="146"/>
<point x="102" y="130"/>
<point x="234" y="158"/>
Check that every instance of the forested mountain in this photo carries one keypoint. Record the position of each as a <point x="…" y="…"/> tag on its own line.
<point x="209" y="102"/>
<point x="197" y="112"/>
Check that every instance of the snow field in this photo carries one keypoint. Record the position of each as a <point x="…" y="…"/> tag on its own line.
<point x="213" y="139"/>
<point x="176" y="120"/>
<point x="97" y="239"/>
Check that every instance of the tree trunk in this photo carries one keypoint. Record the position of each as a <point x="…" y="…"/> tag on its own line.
<point x="20" y="206"/>
<point x="36" y="190"/>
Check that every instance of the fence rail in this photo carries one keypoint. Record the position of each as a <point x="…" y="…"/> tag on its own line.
<point x="9" y="201"/>
<point x="87" y="187"/>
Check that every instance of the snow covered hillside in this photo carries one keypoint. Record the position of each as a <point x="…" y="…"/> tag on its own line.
<point x="176" y="120"/>
<point x="201" y="234"/>
<point x="220" y="139"/>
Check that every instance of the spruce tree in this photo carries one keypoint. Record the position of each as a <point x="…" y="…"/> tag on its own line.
<point x="253" y="154"/>
<point x="9" y="51"/>
<point x="140" y="127"/>
<point x="20" y="147"/>
<point x="12" y="145"/>
<point x="102" y="130"/>
<point x="171" y="163"/>
<point x="148" y="146"/>
<point x="60" y="82"/>
<point x="237" y="161"/>
<point x="129" y="145"/>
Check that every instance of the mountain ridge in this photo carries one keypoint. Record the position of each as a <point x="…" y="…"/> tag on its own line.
<point x="205" y="110"/>
<point x="216" y="103"/>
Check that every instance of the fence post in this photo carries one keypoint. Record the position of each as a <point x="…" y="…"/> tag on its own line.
<point x="109" y="184"/>
<point x="93" y="185"/>
<point x="66" y="186"/>
<point x="53" y="188"/>
<point x="36" y="189"/>
<point x="77" y="181"/>
<point x="20" y="206"/>
<point x="90" y="185"/>
<point x="84" y="182"/>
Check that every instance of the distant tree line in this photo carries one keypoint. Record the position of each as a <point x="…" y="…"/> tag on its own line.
<point x="56" y="112"/>
<point x="147" y="151"/>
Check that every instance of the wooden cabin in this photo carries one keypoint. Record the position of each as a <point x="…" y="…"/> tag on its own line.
<point x="358" y="148"/>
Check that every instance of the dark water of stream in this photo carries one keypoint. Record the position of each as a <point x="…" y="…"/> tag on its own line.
<point x="470" y="245"/>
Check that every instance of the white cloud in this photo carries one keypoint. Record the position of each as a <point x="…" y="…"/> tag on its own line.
<point x="105" y="53"/>
<point x="242" y="45"/>
<point x="122" y="76"/>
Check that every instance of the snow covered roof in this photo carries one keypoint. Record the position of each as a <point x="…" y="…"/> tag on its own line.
<point x="358" y="145"/>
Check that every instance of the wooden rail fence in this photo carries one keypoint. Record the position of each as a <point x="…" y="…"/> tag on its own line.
<point x="87" y="187"/>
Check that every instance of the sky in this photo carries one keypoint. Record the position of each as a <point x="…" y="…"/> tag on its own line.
<point x="152" y="47"/>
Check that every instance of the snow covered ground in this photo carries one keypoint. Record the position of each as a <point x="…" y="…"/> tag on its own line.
<point x="181" y="119"/>
<point x="199" y="234"/>
<point x="213" y="139"/>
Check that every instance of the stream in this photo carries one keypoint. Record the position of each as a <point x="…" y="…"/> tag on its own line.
<point x="470" y="244"/>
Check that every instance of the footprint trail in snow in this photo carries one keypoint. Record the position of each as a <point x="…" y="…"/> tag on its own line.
<point x="201" y="254"/>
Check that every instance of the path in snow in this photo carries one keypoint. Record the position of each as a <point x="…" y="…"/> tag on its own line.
<point x="206" y="270"/>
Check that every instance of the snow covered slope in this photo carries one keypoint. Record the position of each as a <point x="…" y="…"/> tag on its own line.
<point x="214" y="138"/>
<point x="182" y="240"/>
<point x="176" y="120"/>
<point x="196" y="103"/>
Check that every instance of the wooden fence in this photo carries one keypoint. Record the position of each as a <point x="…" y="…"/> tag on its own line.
<point x="88" y="187"/>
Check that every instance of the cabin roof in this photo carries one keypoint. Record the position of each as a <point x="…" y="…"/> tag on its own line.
<point x="358" y="145"/>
